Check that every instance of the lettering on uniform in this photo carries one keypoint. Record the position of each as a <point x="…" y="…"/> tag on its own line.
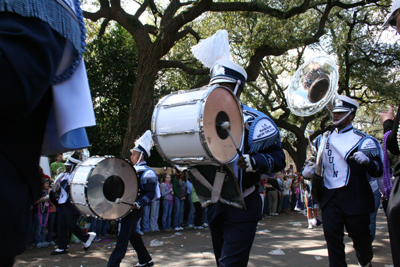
<point x="331" y="159"/>
<point x="263" y="129"/>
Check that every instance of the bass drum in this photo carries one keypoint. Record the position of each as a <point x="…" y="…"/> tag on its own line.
<point x="97" y="182"/>
<point x="185" y="126"/>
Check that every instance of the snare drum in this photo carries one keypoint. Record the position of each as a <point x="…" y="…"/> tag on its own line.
<point x="184" y="126"/>
<point x="98" y="181"/>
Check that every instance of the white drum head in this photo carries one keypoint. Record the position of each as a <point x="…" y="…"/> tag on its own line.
<point x="220" y="106"/>
<point x="112" y="178"/>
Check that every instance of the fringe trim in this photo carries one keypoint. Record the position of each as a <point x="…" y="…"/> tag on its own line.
<point x="59" y="20"/>
<point x="371" y="152"/>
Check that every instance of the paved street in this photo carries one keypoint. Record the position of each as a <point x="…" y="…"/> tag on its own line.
<point x="283" y="233"/>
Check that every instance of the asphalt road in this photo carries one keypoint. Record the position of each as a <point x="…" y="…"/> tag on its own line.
<point x="283" y="234"/>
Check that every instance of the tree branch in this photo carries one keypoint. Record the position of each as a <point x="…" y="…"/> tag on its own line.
<point x="180" y="65"/>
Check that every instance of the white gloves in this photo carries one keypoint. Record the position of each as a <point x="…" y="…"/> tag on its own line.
<point x="361" y="158"/>
<point x="136" y="206"/>
<point x="250" y="163"/>
<point x="308" y="171"/>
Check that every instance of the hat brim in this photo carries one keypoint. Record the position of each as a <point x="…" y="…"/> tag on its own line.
<point x="387" y="22"/>
<point x="340" y="110"/>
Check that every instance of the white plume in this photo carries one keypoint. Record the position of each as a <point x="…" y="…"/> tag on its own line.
<point x="145" y="141"/>
<point x="213" y="48"/>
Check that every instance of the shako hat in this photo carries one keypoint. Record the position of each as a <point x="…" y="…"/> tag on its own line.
<point x="344" y="104"/>
<point x="144" y="144"/>
<point x="73" y="159"/>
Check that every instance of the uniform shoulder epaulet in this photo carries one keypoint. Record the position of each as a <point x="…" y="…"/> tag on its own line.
<point x="149" y="176"/>
<point x="369" y="146"/>
<point x="263" y="132"/>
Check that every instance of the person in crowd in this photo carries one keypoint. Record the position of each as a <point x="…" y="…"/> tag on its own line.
<point x="147" y="185"/>
<point x="286" y="195"/>
<point x="95" y="227"/>
<point x="139" y="225"/>
<point x="312" y="206"/>
<point x="155" y="209"/>
<point x="57" y="166"/>
<point x="179" y="188"/>
<point x="377" y="188"/>
<point x="68" y="215"/>
<point x="104" y="229"/>
<point x="261" y="191"/>
<point x="347" y="199"/>
<point x="391" y="123"/>
<point x="300" y="196"/>
<point x="168" y="196"/>
<point x="52" y="219"/>
<point x="198" y="210"/>
<point x="146" y="219"/>
<point x="278" y="177"/>
<point x="293" y="196"/>
<point x="39" y="52"/>
<point x="233" y="229"/>
<point x="41" y="213"/>
<point x="272" y="188"/>
<point x="189" y="203"/>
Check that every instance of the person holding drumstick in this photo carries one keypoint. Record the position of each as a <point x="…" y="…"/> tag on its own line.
<point x="147" y="191"/>
<point x="233" y="229"/>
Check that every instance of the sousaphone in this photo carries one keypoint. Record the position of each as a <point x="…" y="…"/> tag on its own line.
<point x="312" y="88"/>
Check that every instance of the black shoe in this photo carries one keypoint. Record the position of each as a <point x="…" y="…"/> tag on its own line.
<point x="59" y="251"/>
<point x="149" y="264"/>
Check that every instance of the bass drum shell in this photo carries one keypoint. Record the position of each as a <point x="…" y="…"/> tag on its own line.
<point x="98" y="181"/>
<point x="184" y="126"/>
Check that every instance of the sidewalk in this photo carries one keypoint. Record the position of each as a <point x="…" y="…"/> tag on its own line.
<point x="283" y="233"/>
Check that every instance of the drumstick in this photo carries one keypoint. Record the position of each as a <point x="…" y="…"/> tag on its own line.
<point x="225" y="126"/>
<point x="119" y="201"/>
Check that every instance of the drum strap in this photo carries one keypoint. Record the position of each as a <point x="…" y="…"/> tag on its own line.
<point x="217" y="187"/>
<point x="218" y="182"/>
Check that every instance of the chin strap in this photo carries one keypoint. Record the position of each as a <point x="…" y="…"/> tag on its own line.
<point x="238" y="82"/>
<point x="336" y="123"/>
<point x="138" y="161"/>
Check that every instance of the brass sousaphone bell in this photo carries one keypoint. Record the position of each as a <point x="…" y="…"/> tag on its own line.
<point x="313" y="87"/>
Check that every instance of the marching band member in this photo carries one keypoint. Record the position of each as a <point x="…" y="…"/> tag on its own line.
<point x="68" y="214"/>
<point x="232" y="229"/>
<point x="43" y="86"/>
<point x="147" y="191"/>
<point x="347" y="199"/>
<point x="390" y="122"/>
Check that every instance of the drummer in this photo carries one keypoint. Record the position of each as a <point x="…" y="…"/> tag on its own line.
<point x="68" y="214"/>
<point x="232" y="229"/>
<point x="147" y="191"/>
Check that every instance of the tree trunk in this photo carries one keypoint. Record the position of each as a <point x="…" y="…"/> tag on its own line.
<point x="142" y="106"/>
<point x="301" y="155"/>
